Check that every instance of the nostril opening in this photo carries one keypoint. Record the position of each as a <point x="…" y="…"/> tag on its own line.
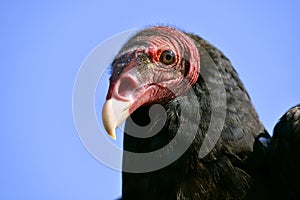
<point x="126" y="87"/>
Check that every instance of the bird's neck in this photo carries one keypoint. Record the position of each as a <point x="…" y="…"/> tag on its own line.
<point x="189" y="178"/>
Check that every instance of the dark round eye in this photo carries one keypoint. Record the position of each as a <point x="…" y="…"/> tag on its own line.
<point x="167" y="57"/>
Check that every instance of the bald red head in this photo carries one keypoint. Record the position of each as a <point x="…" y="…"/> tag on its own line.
<point x="154" y="66"/>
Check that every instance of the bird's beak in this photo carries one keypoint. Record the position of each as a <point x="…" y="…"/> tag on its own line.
<point x="130" y="88"/>
<point x="114" y="112"/>
<point x="123" y="94"/>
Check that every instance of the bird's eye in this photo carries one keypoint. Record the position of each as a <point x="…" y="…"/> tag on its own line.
<point x="167" y="57"/>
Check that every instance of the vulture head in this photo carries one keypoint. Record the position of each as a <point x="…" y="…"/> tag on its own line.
<point x="156" y="65"/>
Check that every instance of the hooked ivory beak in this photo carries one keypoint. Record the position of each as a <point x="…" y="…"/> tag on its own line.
<point x="114" y="112"/>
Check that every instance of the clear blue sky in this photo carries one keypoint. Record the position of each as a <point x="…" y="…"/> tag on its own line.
<point x="43" y="44"/>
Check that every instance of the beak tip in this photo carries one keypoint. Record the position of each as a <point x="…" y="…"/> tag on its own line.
<point x="112" y="135"/>
<point x="114" y="112"/>
<point x="108" y="119"/>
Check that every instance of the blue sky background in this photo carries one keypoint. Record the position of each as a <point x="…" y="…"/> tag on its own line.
<point x="43" y="44"/>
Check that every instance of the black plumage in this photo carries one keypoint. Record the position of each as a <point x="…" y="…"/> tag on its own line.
<point x="244" y="162"/>
<point x="275" y="162"/>
<point x="285" y="156"/>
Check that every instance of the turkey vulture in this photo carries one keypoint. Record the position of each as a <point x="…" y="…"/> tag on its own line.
<point x="183" y="74"/>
